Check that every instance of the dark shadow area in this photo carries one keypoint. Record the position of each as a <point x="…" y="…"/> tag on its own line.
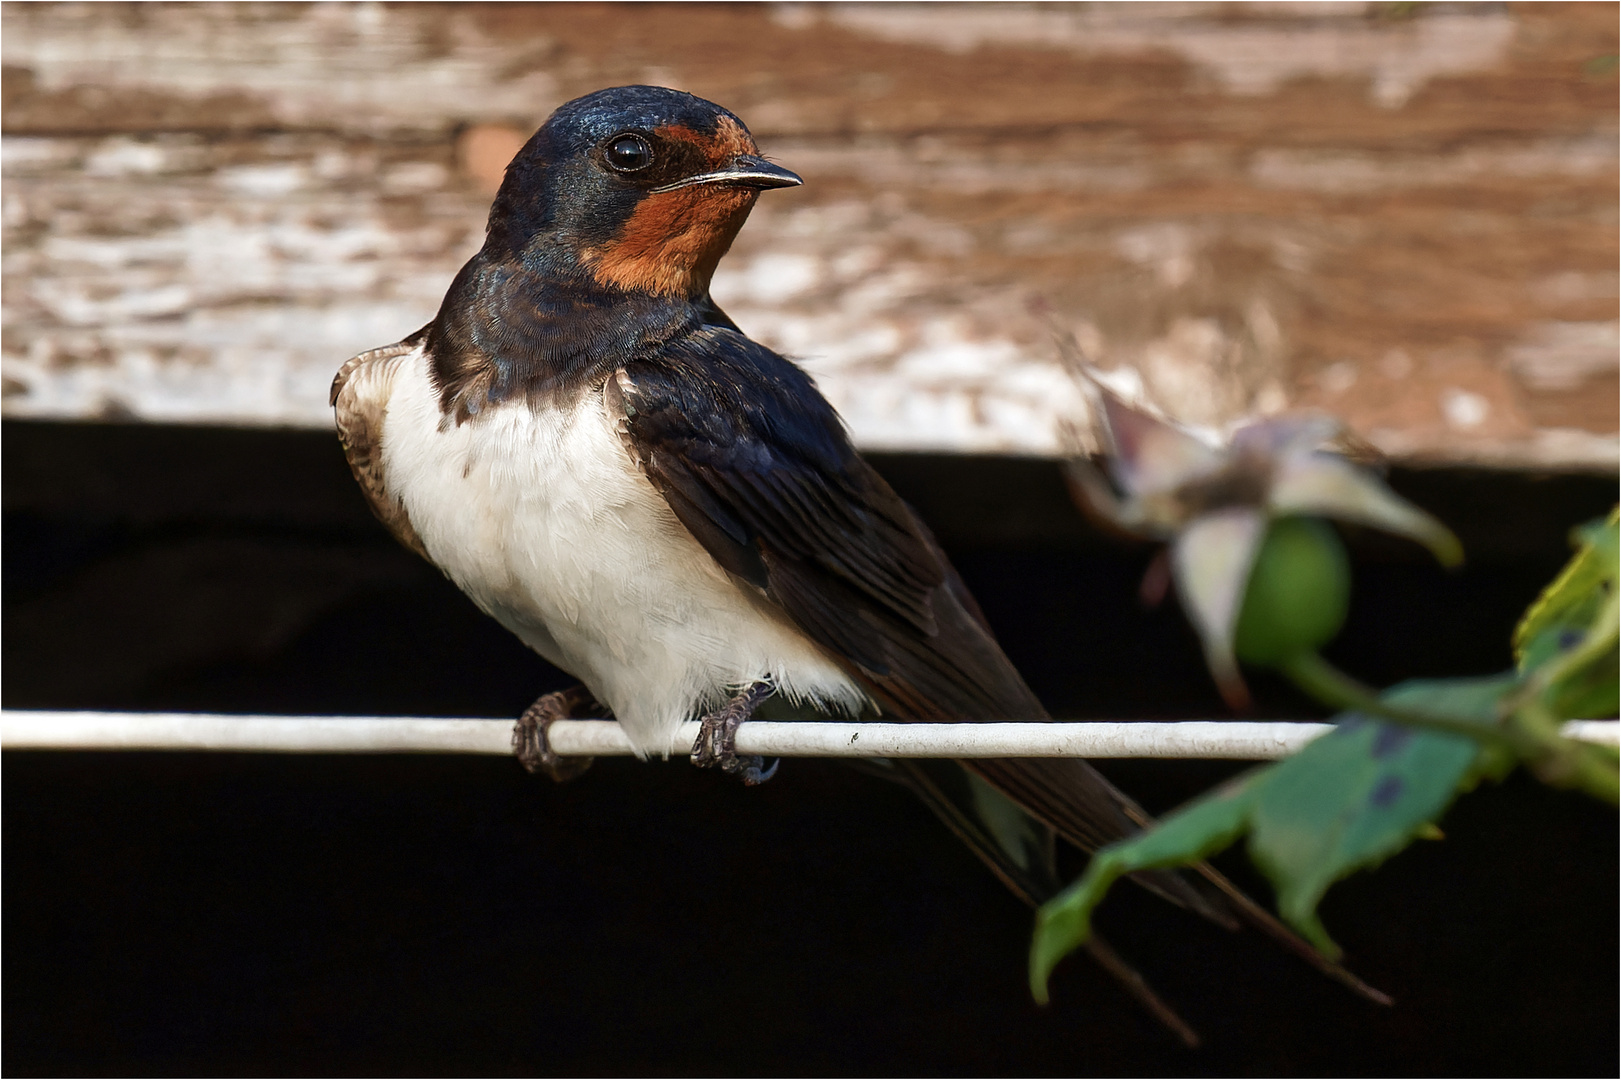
<point x="238" y="914"/>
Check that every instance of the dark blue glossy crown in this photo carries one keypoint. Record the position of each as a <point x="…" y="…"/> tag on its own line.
<point x="587" y="120"/>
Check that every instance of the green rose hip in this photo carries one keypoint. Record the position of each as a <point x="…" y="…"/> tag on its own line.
<point x="1297" y="593"/>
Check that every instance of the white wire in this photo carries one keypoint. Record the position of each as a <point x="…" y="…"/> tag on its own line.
<point x="1238" y="740"/>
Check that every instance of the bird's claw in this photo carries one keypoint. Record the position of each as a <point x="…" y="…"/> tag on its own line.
<point x="716" y="745"/>
<point x="529" y="737"/>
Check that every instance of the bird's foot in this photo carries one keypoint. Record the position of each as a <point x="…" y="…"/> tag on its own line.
<point x="716" y="747"/>
<point x="529" y="734"/>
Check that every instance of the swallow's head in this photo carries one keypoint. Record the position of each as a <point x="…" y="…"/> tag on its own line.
<point x="640" y="187"/>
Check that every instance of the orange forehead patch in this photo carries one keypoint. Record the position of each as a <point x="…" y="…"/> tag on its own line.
<point x="673" y="241"/>
<point x="728" y="141"/>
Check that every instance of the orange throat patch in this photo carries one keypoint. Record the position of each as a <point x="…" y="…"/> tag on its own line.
<point x="672" y="243"/>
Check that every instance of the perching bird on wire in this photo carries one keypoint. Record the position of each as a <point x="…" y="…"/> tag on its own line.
<point x="608" y="466"/>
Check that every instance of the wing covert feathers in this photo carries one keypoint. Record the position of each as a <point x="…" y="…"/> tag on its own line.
<point x="754" y="462"/>
<point x="360" y="393"/>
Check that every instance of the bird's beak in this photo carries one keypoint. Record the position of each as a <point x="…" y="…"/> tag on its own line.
<point x="745" y="170"/>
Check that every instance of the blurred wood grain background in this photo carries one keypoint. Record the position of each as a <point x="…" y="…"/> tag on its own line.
<point x="1405" y="213"/>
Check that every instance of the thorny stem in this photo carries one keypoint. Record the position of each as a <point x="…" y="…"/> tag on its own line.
<point x="1527" y="729"/>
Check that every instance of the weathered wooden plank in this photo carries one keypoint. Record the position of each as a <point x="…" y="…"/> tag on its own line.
<point x="1403" y="213"/>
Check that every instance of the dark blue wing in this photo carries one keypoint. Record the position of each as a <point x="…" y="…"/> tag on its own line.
<point x="757" y="465"/>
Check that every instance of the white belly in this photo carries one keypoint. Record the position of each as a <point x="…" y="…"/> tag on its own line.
<point x="543" y="519"/>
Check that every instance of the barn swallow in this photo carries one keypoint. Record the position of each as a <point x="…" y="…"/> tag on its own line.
<point x="671" y="512"/>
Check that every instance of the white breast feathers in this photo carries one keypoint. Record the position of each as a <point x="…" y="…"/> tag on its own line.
<point x="541" y="516"/>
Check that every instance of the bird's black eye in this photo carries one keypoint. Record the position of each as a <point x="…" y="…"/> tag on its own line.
<point x="628" y="153"/>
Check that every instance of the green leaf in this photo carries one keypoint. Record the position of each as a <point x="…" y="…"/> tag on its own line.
<point x="1568" y="637"/>
<point x="1349" y="800"/>
<point x="1362" y="793"/>
<point x="1589" y="691"/>
<point x="1575" y="597"/>
<point x="1195" y="832"/>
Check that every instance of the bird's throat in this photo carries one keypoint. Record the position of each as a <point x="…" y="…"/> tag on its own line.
<point x="672" y="242"/>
